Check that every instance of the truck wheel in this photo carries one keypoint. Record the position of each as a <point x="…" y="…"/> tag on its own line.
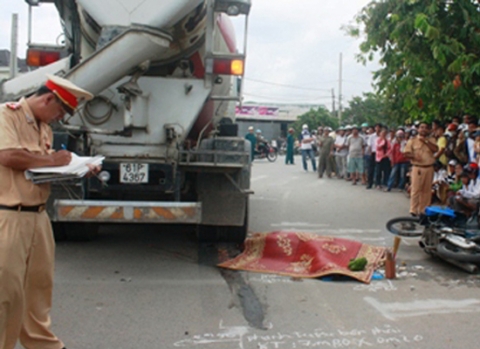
<point x="59" y="231"/>
<point x="212" y="233"/>
<point x="75" y="231"/>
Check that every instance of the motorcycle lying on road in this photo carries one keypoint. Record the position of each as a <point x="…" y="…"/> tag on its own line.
<point x="266" y="151"/>
<point x="443" y="233"/>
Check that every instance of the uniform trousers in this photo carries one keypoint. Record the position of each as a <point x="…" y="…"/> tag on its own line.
<point x="421" y="189"/>
<point x="325" y="164"/>
<point x="27" y="253"/>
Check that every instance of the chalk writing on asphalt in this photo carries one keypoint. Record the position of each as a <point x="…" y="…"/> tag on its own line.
<point x="243" y="337"/>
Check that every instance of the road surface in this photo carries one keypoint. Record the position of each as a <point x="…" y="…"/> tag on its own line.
<point x="156" y="287"/>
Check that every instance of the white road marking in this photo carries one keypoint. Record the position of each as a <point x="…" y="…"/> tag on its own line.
<point x="258" y="178"/>
<point x="262" y="198"/>
<point x="298" y="224"/>
<point x="349" y="231"/>
<point x="373" y="239"/>
<point x="397" y="310"/>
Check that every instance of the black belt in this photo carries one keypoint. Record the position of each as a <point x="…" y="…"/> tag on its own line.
<point x="423" y="166"/>
<point x="20" y="208"/>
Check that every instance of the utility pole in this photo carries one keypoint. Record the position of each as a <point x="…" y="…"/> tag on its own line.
<point x="333" y="101"/>
<point x="13" y="46"/>
<point x="340" y="91"/>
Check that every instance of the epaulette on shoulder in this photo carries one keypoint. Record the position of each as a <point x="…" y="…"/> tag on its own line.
<point x="13" y="106"/>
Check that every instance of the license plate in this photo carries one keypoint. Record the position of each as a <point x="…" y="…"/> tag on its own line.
<point x="133" y="173"/>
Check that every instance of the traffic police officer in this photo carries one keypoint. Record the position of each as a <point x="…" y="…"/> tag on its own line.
<point x="420" y="150"/>
<point x="26" y="238"/>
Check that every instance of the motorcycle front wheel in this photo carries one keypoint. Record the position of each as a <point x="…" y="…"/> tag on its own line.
<point x="450" y="251"/>
<point x="272" y="156"/>
<point x="408" y="227"/>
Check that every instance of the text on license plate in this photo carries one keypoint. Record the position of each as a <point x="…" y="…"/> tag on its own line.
<point x="133" y="173"/>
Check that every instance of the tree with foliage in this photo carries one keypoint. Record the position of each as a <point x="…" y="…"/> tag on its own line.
<point x="429" y="51"/>
<point x="370" y="109"/>
<point x="314" y="119"/>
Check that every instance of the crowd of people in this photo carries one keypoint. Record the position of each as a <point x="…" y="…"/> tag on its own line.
<point x="431" y="163"/>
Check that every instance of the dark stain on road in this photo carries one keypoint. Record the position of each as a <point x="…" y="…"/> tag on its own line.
<point x="245" y="297"/>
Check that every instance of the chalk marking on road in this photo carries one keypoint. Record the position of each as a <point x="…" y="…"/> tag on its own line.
<point x="397" y="310"/>
<point x="258" y="178"/>
<point x="232" y="334"/>
<point x="377" y="336"/>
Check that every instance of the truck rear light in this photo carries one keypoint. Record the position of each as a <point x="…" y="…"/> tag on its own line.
<point x="224" y="66"/>
<point x="39" y="58"/>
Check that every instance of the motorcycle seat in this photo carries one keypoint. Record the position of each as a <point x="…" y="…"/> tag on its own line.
<point x="436" y="210"/>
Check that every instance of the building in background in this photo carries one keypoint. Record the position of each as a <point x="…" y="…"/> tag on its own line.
<point x="272" y="119"/>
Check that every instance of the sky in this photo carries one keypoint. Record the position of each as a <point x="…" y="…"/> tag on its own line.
<point x="294" y="43"/>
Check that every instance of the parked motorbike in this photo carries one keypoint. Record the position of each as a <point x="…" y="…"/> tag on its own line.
<point x="266" y="151"/>
<point x="443" y="233"/>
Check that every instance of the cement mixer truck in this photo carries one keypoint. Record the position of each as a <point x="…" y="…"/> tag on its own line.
<point x="166" y="76"/>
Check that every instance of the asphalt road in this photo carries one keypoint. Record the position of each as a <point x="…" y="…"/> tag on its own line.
<point x="156" y="287"/>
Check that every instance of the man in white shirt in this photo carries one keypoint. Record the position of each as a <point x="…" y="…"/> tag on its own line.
<point x="372" y="149"/>
<point x="472" y="128"/>
<point x="306" y="148"/>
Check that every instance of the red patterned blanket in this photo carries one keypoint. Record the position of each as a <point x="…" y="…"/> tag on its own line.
<point x="305" y="255"/>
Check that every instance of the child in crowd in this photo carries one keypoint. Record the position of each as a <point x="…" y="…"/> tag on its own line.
<point x="454" y="181"/>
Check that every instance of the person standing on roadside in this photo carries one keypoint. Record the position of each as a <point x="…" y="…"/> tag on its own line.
<point x="250" y="136"/>
<point x="365" y="134"/>
<point x="372" y="144"/>
<point x="356" y="149"/>
<point x="442" y="143"/>
<point x="470" y="142"/>
<point x="27" y="246"/>
<point x="399" y="161"/>
<point x="306" y="148"/>
<point x="326" y="154"/>
<point x="341" y="153"/>
<point x="383" y="160"/>
<point x="290" y="147"/>
<point x="420" y="150"/>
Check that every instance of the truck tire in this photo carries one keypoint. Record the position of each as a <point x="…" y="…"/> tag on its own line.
<point x="212" y="233"/>
<point x="75" y="231"/>
<point x="59" y="231"/>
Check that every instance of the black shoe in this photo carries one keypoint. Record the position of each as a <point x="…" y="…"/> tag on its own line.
<point x="368" y="187"/>
<point x="413" y="214"/>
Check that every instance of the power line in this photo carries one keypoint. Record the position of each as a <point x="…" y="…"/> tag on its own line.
<point x="283" y="99"/>
<point x="285" y="85"/>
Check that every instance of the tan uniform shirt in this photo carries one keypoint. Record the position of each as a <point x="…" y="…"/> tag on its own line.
<point x="20" y="130"/>
<point x="422" y="155"/>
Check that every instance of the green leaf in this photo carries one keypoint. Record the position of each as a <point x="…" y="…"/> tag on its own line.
<point x="421" y="22"/>
<point x="432" y="33"/>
